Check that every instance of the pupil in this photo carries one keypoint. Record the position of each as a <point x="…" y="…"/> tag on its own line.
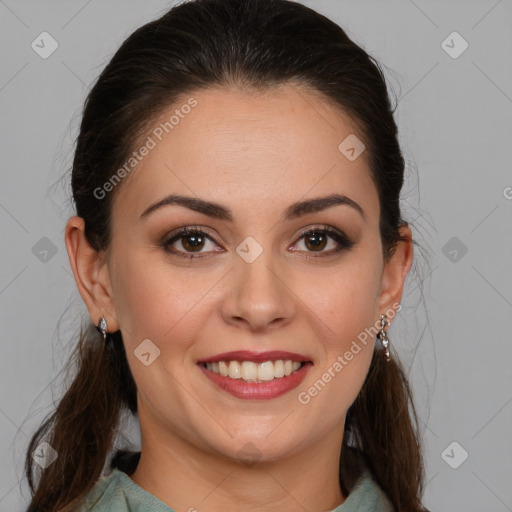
<point x="196" y="241"/>
<point x="320" y="239"/>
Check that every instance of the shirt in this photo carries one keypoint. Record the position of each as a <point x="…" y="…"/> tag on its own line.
<point x="117" y="492"/>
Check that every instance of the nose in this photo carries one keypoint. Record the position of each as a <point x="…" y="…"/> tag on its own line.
<point x="258" y="295"/>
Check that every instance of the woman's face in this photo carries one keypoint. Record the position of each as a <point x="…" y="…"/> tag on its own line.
<point x="247" y="281"/>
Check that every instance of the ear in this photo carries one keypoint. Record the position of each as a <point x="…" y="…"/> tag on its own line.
<point x="394" y="273"/>
<point x="91" y="274"/>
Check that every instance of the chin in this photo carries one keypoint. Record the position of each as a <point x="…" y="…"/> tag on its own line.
<point x="251" y="450"/>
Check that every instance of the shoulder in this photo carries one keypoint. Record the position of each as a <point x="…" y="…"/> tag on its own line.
<point x="366" y="496"/>
<point x="117" y="492"/>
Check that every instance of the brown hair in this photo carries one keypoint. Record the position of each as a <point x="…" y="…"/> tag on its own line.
<point x="200" y="44"/>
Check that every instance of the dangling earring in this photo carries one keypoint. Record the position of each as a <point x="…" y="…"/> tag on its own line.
<point x="383" y="337"/>
<point x="102" y="328"/>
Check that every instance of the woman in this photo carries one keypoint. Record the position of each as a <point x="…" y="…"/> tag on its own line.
<point x="240" y="249"/>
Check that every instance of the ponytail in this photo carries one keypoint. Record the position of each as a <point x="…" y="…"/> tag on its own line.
<point x="83" y="427"/>
<point x="382" y="433"/>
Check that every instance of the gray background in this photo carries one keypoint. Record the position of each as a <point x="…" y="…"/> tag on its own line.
<point x="455" y="122"/>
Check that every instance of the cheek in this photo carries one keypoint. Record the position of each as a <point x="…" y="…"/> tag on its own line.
<point x="347" y="348"/>
<point x="162" y="305"/>
<point x="155" y="301"/>
<point x="345" y="300"/>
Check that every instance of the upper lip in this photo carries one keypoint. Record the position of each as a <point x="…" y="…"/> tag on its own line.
<point x="257" y="357"/>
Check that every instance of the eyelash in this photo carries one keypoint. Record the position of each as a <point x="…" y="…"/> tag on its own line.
<point x="339" y="237"/>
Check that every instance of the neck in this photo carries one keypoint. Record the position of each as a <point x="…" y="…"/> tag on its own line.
<point x="187" y="478"/>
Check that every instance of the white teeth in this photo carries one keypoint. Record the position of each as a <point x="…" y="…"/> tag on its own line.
<point x="266" y="370"/>
<point x="251" y="371"/>
<point x="223" y="368"/>
<point x="235" y="370"/>
<point x="279" y="369"/>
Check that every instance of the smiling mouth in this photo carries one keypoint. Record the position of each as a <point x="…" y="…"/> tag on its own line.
<point x="250" y="371"/>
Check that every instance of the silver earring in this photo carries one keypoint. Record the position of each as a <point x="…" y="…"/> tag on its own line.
<point x="383" y="336"/>
<point x="102" y="328"/>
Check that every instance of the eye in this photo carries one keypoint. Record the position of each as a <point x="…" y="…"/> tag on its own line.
<point x="316" y="239"/>
<point x="190" y="239"/>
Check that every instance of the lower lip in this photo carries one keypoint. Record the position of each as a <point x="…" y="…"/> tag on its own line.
<point x="258" y="390"/>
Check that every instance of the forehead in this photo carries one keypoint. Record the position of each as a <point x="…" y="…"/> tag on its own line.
<point x="275" y="146"/>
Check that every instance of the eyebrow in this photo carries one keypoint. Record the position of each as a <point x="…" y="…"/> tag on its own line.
<point x="218" y="211"/>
